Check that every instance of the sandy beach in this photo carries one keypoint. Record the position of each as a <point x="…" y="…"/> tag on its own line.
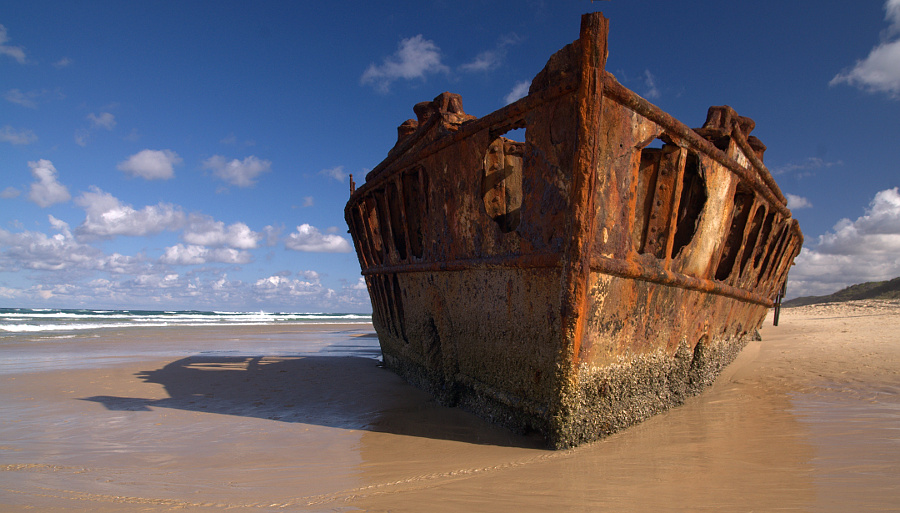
<point x="301" y="418"/>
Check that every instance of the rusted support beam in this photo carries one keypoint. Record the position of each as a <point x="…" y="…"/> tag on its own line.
<point x="633" y="270"/>
<point x="631" y="100"/>
<point x="577" y="258"/>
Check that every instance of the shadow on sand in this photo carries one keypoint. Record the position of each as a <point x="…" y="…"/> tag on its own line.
<point x="348" y="392"/>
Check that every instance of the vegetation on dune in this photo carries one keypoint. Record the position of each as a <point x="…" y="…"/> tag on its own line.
<point x="870" y="290"/>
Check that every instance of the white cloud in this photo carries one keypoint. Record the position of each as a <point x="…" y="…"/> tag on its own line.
<point x="484" y="61"/>
<point x="309" y="275"/>
<point x="650" y="83"/>
<point x="795" y="202"/>
<point x="880" y="71"/>
<point x="10" y="192"/>
<point x="308" y="201"/>
<point x="107" y="121"/>
<point x="308" y="238"/>
<point x="16" y="52"/>
<point x="47" y="190"/>
<point x="81" y="137"/>
<point x="156" y="281"/>
<point x="308" y="290"/>
<point x="180" y="254"/>
<point x="121" y="264"/>
<point x="70" y="273"/>
<point x="204" y="231"/>
<point x="231" y="140"/>
<point x="491" y="59"/>
<point x="237" y="172"/>
<point x="270" y="235"/>
<point x="415" y="57"/>
<point x="877" y="231"/>
<point x="31" y="98"/>
<point x="229" y="256"/>
<point x="151" y="164"/>
<point x="9" y="293"/>
<point x="60" y="226"/>
<point x="108" y="217"/>
<point x="38" y="251"/>
<point x="8" y="134"/>
<point x="68" y="276"/>
<point x="65" y="62"/>
<point x="285" y="288"/>
<point x="520" y="90"/>
<point x="867" y="249"/>
<point x="19" y="98"/>
<point x="104" y="120"/>
<point x="336" y="172"/>
<point x="892" y="8"/>
<point x="805" y="167"/>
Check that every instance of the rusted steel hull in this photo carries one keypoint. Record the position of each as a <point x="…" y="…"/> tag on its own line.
<point x="582" y="280"/>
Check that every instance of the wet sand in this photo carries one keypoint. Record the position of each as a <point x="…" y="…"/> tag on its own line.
<point x="304" y="419"/>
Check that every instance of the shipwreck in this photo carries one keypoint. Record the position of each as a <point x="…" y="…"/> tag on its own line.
<point x="595" y="274"/>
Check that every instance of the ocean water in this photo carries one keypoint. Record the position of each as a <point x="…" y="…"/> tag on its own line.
<point x="62" y="321"/>
<point x="58" y="339"/>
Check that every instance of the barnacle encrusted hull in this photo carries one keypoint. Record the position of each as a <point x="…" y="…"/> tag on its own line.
<point x="582" y="280"/>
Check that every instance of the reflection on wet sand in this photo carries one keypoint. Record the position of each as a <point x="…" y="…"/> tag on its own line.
<point x="731" y="449"/>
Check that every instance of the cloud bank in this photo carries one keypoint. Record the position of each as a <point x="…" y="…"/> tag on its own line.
<point x="74" y="271"/>
<point x="107" y="217"/>
<point x="866" y="249"/>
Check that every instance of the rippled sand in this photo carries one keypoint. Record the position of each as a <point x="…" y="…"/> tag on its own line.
<point x="303" y="419"/>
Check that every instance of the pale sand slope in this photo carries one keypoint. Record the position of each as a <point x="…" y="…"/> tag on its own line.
<point x="806" y="420"/>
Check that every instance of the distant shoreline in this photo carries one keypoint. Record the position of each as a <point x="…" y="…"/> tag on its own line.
<point x="26" y="320"/>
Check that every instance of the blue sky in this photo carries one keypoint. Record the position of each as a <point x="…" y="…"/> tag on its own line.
<point x="175" y="155"/>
